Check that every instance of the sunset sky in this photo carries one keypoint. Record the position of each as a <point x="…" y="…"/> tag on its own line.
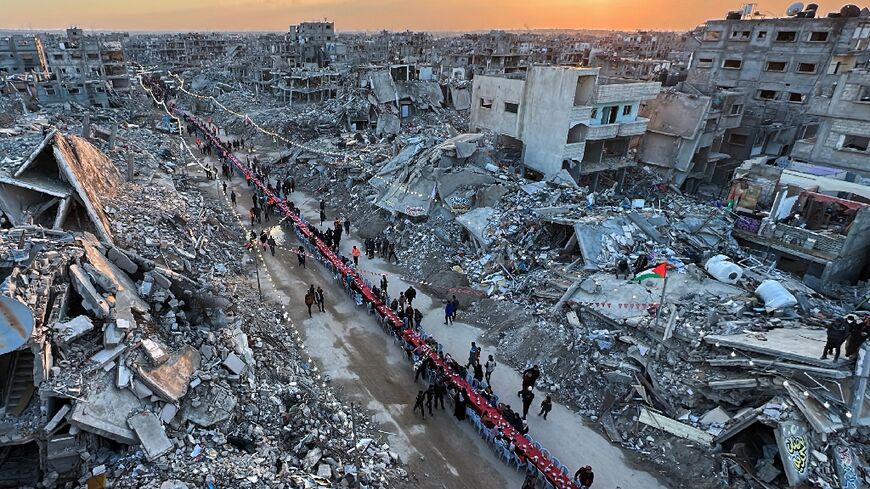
<point x="355" y="15"/>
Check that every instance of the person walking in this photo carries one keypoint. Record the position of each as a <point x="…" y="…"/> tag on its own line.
<point x="224" y="184"/>
<point x="489" y="369"/>
<point x="355" y="254"/>
<point x="384" y="283"/>
<point x="264" y="239"/>
<point x="421" y="397"/>
<point x="271" y="242"/>
<point x="410" y="294"/>
<point x="418" y="319"/>
<point x="300" y="255"/>
<point x="318" y="298"/>
<point x="440" y="390"/>
<point x="309" y="301"/>
<point x="252" y="215"/>
<point x="430" y="397"/>
<point x="584" y="476"/>
<point x="346" y="225"/>
<point x="455" y="302"/>
<point x="528" y="396"/>
<point x="233" y="197"/>
<point x="473" y="354"/>
<point x="546" y="406"/>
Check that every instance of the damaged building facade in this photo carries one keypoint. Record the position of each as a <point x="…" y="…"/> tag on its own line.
<point x="563" y="118"/>
<point x="779" y="63"/>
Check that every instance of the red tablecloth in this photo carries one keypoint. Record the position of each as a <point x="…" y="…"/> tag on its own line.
<point x="477" y="402"/>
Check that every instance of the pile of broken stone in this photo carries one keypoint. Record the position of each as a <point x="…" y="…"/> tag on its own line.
<point x="159" y="366"/>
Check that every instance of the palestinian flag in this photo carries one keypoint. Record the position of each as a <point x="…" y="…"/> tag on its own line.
<point x="657" y="271"/>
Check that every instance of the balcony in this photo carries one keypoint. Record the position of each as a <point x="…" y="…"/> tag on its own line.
<point x="605" y="131"/>
<point x="580" y="115"/>
<point x="634" y="128"/>
<point x="573" y="151"/>
<point x="803" y="149"/>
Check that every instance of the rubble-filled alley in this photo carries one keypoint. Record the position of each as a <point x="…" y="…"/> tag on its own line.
<point x="322" y="259"/>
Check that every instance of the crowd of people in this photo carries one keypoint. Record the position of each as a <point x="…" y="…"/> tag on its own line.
<point x="432" y="398"/>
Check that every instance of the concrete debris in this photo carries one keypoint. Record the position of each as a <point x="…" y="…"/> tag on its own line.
<point x="542" y="197"/>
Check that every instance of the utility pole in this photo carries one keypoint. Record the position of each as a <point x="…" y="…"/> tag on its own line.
<point x="130" y="167"/>
<point x="257" y="271"/>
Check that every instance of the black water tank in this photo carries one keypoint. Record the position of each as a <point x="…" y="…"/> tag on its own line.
<point x="850" y="11"/>
<point x="733" y="16"/>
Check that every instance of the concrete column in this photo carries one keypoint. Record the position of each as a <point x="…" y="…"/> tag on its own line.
<point x="86" y="126"/>
<point x="621" y="178"/>
<point x="859" y="388"/>
<point x="130" y="167"/>
<point x="113" y="136"/>
<point x="595" y="182"/>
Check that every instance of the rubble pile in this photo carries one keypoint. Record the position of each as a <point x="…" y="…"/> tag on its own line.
<point x="684" y="379"/>
<point x="152" y="361"/>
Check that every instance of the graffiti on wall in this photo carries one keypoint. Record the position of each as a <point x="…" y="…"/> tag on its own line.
<point x="798" y="452"/>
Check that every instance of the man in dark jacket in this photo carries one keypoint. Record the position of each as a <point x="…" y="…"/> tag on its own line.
<point x="530" y="377"/>
<point x="410" y="294"/>
<point x="528" y="396"/>
<point x="838" y="331"/>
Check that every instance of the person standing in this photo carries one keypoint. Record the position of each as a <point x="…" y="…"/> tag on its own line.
<point x="528" y="396"/>
<point x="455" y="302"/>
<point x="384" y="283"/>
<point x="837" y="334"/>
<point x="300" y="255"/>
<point x="418" y="319"/>
<point x="430" y="397"/>
<point x="252" y="215"/>
<point x="346" y="225"/>
<point x="355" y="254"/>
<point x="530" y="377"/>
<point x="224" y="184"/>
<point x="309" y="301"/>
<point x="421" y="397"/>
<point x="318" y="298"/>
<point x="448" y="312"/>
<point x="440" y="390"/>
<point x="546" y="406"/>
<point x="478" y="371"/>
<point x="489" y="369"/>
<point x="271" y="242"/>
<point x="233" y="197"/>
<point x="410" y="294"/>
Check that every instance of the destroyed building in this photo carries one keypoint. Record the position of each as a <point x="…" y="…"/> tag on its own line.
<point x="779" y="63"/>
<point x="85" y="69"/>
<point x="686" y="130"/>
<point x="839" y="138"/>
<point x="564" y="118"/>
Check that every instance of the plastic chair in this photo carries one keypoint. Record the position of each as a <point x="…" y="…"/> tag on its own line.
<point x="545" y="452"/>
<point x="556" y="462"/>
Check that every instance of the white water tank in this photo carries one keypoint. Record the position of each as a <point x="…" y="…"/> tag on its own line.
<point x="775" y="296"/>
<point x="723" y="269"/>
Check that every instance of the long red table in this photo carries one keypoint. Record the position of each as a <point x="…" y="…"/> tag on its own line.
<point x="478" y="403"/>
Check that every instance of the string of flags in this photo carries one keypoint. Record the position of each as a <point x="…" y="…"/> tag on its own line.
<point x="616" y="305"/>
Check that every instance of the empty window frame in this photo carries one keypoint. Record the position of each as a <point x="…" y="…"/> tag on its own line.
<point x="766" y="94"/>
<point x="741" y="35"/>
<point x="736" y="109"/>
<point x="809" y="131"/>
<point x="705" y="62"/>
<point x="761" y="35"/>
<point x="626" y="110"/>
<point x="732" y="64"/>
<point x="775" y="66"/>
<point x="786" y="36"/>
<point x="486" y="103"/>
<point x="797" y="98"/>
<point x="712" y="35"/>
<point x="854" y="143"/>
<point x="864" y="95"/>
<point x="511" y="107"/>
<point x="818" y="36"/>
<point x="737" y="139"/>
<point x="809" y="68"/>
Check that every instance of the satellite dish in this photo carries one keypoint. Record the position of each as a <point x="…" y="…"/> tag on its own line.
<point x="794" y="9"/>
<point x="16" y="324"/>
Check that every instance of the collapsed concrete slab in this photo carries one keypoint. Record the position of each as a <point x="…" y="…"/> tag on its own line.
<point x="212" y="407"/>
<point x="151" y="434"/>
<point x="170" y="379"/>
<point x="105" y="410"/>
<point x="91" y="299"/>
